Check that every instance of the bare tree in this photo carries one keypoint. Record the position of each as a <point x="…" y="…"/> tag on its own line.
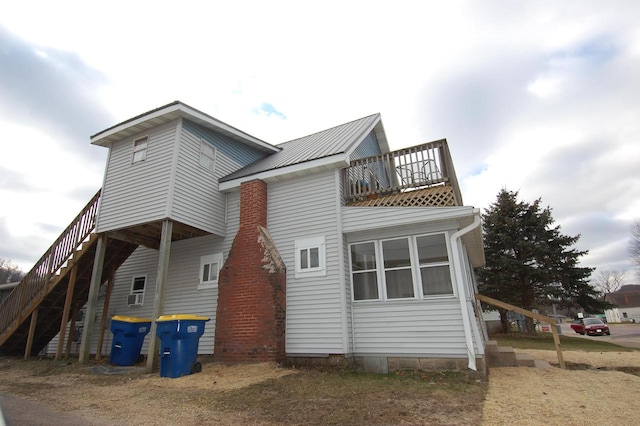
<point x="608" y="282"/>
<point x="634" y="245"/>
<point x="9" y="272"/>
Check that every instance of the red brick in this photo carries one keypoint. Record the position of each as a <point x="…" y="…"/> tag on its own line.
<point x="250" y="318"/>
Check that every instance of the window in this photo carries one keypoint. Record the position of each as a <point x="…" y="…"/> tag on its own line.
<point x="207" y="155"/>
<point x="434" y="265"/>
<point x="398" y="277"/>
<point x="209" y="270"/>
<point x="399" y="268"/>
<point x="364" y="272"/>
<point x="140" y="149"/>
<point x="136" y="295"/>
<point x="310" y="257"/>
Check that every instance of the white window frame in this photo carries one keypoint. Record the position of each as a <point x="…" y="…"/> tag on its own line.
<point x="305" y="246"/>
<point x="411" y="267"/>
<point x="139" y="149"/>
<point x="419" y="267"/>
<point x="379" y="278"/>
<point x="203" y="155"/>
<point x="138" y="293"/>
<point x="207" y="261"/>
<point x="415" y="270"/>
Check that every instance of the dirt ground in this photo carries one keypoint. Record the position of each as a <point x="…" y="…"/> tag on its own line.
<point x="597" y="389"/>
<point x="261" y="394"/>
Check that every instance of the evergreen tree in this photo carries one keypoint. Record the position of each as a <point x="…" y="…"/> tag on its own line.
<point x="529" y="263"/>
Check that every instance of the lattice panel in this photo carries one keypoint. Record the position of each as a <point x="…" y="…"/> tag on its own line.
<point x="438" y="196"/>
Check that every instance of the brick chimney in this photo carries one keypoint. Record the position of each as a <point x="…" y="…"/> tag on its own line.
<point x="251" y="312"/>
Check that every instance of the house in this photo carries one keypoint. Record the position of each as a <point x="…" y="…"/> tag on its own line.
<point x="627" y="302"/>
<point x="329" y="248"/>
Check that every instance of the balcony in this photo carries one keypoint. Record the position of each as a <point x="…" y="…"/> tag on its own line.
<point x="419" y="176"/>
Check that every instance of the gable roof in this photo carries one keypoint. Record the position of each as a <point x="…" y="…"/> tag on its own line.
<point x="628" y="296"/>
<point x="324" y="149"/>
<point x="170" y="112"/>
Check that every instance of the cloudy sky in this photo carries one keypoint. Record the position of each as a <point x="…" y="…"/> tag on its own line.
<point x="537" y="97"/>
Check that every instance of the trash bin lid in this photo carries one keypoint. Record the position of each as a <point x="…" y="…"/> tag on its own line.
<point x="129" y="319"/>
<point x="178" y="317"/>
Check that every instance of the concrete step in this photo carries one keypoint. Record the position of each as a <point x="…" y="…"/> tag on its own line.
<point x="525" y="360"/>
<point x="491" y="346"/>
<point x="502" y="356"/>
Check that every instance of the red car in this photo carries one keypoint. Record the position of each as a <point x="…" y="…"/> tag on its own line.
<point x="590" y="326"/>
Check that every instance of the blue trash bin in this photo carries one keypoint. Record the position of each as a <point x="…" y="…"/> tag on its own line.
<point x="128" y="336"/>
<point x="179" y="337"/>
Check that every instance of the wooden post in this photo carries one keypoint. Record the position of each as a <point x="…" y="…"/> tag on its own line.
<point x="556" y="340"/>
<point x="94" y="289"/>
<point x="67" y="308"/>
<point x="161" y="284"/>
<point x="72" y="331"/>
<point x="542" y="318"/>
<point x="105" y="315"/>
<point x="32" y="330"/>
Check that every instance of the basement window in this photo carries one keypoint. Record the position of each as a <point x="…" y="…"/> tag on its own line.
<point x="140" y="149"/>
<point x="210" y="266"/>
<point x="136" y="295"/>
<point x="310" y="257"/>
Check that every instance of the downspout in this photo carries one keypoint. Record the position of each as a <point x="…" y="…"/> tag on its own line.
<point x="462" y="296"/>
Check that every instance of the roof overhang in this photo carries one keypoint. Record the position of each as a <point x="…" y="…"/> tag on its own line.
<point x="331" y="162"/>
<point x="170" y="112"/>
<point x="354" y="221"/>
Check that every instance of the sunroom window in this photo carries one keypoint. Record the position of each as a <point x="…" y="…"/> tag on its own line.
<point x="434" y="265"/>
<point x="364" y="271"/>
<point x="397" y="269"/>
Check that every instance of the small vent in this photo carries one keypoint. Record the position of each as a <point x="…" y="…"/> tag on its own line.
<point x="134" y="300"/>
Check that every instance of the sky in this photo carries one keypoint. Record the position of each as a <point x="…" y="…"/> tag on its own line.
<point x="538" y="97"/>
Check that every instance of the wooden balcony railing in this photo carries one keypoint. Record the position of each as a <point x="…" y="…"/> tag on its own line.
<point x="407" y="169"/>
<point x="34" y="283"/>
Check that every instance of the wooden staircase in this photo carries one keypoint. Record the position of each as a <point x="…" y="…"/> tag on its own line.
<point x="43" y="290"/>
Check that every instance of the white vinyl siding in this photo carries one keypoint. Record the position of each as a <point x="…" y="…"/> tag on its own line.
<point x="430" y="328"/>
<point x="182" y="293"/>
<point x="196" y="199"/>
<point x="136" y="193"/>
<point x="299" y="209"/>
<point x="427" y="327"/>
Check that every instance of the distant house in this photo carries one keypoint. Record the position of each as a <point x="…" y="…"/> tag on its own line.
<point x="627" y="302"/>
<point x="329" y="248"/>
<point x="5" y="289"/>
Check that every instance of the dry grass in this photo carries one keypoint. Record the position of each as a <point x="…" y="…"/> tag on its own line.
<point x="251" y="394"/>
<point x="597" y="388"/>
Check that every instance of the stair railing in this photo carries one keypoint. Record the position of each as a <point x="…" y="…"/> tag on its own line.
<point x="541" y="318"/>
<point x="35" y="283"/>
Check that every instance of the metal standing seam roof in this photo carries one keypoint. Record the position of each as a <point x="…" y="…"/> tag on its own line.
<point x="326" y="143"/>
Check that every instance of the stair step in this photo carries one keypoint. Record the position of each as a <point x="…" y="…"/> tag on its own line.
<point x="525" y="360"/>
<point x="503" y="356"/>
<point x="490" y="346"/>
